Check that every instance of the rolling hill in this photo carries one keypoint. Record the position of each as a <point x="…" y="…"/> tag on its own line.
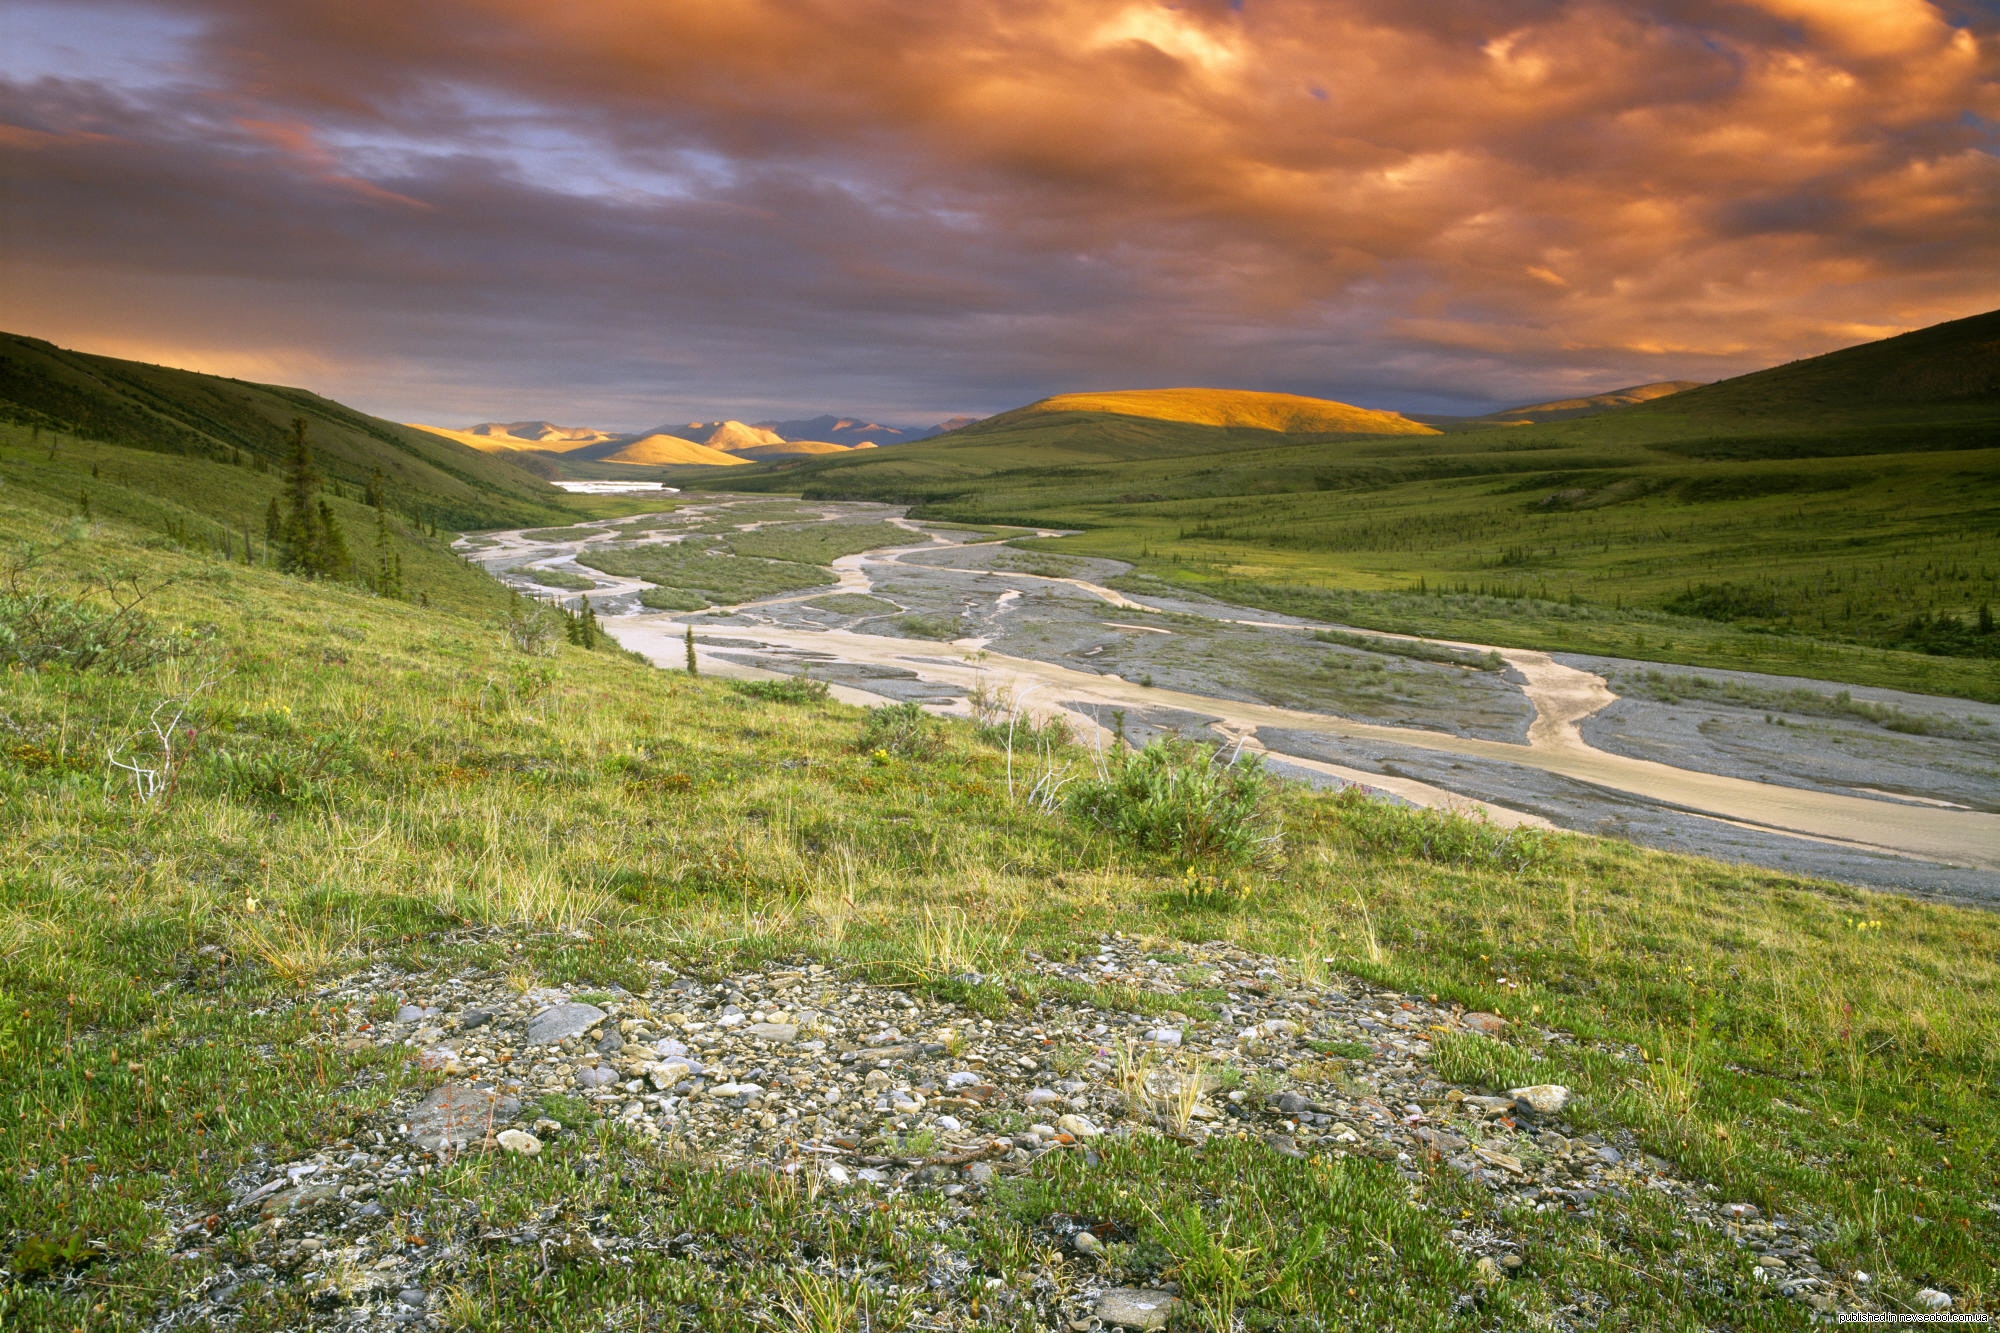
<point x="134" y="405"/>
<point x="521" y="436"/>
<point x="672" y="451"/>
<point x="1565" y="409"/>
<point x="1836" y="517"/>
<point x="1234" y="408"/>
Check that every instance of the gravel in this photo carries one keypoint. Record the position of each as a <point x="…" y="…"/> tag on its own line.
<point x="798" y="1069"/>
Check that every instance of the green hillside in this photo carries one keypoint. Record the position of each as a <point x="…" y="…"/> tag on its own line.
<point x="58" y="394"/>
<point x="1837" y="517"/>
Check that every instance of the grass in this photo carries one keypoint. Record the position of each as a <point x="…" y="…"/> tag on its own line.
<point x="360" y="779"/>
<point x="707" y="569"/>
<point x="719" y="566"/>
<point x="561" y="578"/>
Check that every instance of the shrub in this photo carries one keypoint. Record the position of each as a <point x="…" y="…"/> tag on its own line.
<point x="793" y="690"/>
<point x="1179" y="797"/>
<point x="39" y="627"/>
<point x="532" y="629"/>
<point x="903" y="729"/>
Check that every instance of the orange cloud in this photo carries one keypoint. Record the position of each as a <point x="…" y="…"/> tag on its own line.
<point x="1479" y="191"/>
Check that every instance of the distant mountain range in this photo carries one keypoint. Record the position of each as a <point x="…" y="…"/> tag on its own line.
<point x="713" y="443"/>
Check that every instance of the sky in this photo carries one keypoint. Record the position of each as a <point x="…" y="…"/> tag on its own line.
<point x="626" y="212"/>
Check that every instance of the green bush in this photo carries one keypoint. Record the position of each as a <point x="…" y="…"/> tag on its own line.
<point x="39" y="627"/>
<point x="904" y="730"/>
<point x="794" y="690"/>
<point x="1179" y="797"/>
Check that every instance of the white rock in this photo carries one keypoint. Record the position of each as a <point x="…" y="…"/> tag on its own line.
<point x="1123" y="1307"/>
<point x="1078" y="1126"/>
<point x="519" y="1141"/>
<point x="1164" y="1036"/>
<point x="836" y="1173"/>
<point x="1933" y="1299"/>
<point x="950" y="1124"/>
<point x="723" y="1091"/>
<point x="1541" y="1098"/>
<point x="963" y="1078"/>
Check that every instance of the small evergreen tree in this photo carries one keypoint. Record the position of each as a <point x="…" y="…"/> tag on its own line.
<point x="1986" y="617"/>
<point x="388" y="561"/>
<point x="332" y="560"/>
<point x="373" y="495"/>
<point x="692" y="670"/>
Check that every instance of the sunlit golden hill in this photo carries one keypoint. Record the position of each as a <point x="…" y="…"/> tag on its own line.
<point x="673" y="451"/>
<point x="1286" y="412"/>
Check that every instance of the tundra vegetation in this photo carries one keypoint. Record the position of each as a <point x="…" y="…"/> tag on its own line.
<point x="223" y="786"/>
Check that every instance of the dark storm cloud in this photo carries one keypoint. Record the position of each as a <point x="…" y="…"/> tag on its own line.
<point x="624" y="211"/>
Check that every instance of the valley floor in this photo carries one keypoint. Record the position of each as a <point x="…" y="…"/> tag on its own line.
<point x="1866" y="785"/>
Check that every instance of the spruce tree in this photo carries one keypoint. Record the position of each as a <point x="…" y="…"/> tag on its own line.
<point x="301" y="542"/>
<point x="374" y="493"/>
<point x="692" y="670"/>
<point x="388" y="563"/>
<point x="331" y="560"/>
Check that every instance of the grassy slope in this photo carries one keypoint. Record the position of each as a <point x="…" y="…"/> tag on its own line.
<point x="1834" y="497"/>
<point x="177" y="412"/>
<point x="363" y="776"/>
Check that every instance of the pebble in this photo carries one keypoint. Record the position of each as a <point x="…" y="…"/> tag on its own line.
<point x="1932" y="1299"/>
<point x="1164" y="1036"/>
<point x="519" y="1141"/>
<point x="1490" y="1024"/>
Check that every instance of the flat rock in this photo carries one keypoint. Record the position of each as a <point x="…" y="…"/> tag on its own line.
<point x="563" y="1020"/>
<point x="519" y="1141"/>
<point x="781" y="1032"/>
<point x="1490" y="1024"/>
<point x="459" y="1113"/>
<point x="1129" y="1307"/>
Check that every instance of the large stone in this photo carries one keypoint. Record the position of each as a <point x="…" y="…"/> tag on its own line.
<point x="460" y="1113"/>
<point x="1129" y="1307"/>
<point x="1542" y="1098"/>
<point x="298" y="1199"/>
<point x="780" y="1032"/>
<point x="520" y="1142"/>
<point x="563" y="1020"/>
<point x="1490" y="1024"/>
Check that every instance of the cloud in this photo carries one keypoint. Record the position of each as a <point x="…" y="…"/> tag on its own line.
<point x="625" y="210"/>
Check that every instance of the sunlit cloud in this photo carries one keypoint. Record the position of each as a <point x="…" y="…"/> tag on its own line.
<point x="628" y="211"/>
